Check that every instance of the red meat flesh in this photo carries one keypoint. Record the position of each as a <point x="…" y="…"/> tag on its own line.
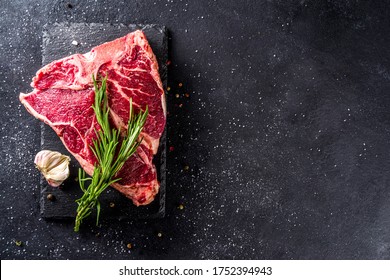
<point x="63" y="95"/>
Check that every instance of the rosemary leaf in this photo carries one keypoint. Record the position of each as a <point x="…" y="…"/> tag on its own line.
<point x="110" y="150"/>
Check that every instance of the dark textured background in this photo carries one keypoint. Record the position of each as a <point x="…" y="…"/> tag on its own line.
<point x="285" y="131"/>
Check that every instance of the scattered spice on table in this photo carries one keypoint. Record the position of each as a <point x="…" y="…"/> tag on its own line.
<point x="112" y="204"/>
<point x="171" y="148"/>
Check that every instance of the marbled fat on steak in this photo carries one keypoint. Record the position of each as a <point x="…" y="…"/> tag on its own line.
<point x="63" y="95"/>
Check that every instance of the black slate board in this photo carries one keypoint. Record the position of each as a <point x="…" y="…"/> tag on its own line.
<point x="57" y="43"/>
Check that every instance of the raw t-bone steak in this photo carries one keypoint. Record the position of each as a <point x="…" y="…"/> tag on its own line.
<point x="63" y="95"/>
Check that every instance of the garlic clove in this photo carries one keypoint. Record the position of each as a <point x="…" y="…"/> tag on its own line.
<point x="53" y="165"/>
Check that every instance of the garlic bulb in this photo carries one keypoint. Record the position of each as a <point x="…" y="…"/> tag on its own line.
<point x="54" y="166"/>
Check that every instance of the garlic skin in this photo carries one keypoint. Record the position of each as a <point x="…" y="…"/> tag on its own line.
<point x="53" y="165"/>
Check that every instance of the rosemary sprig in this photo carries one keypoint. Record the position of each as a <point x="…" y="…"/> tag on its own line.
<point x="110" y="150"/>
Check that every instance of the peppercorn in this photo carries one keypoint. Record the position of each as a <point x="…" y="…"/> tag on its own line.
<point x="129" y="246"/>
<point x="112" y="204"/>
<point x="51" y="197"/>
<point x="181" y="207"/>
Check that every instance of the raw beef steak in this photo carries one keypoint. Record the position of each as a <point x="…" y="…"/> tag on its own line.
<point x="63" y="95"/>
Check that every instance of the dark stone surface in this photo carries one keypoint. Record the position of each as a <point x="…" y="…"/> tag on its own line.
<point x="57" y="43"/>
<point x="285" y="131"/>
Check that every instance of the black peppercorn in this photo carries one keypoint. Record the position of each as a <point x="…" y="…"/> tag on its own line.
<point x="51" y="197"/>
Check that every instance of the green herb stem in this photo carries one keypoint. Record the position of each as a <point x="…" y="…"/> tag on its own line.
<point x="110" y="150"/>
